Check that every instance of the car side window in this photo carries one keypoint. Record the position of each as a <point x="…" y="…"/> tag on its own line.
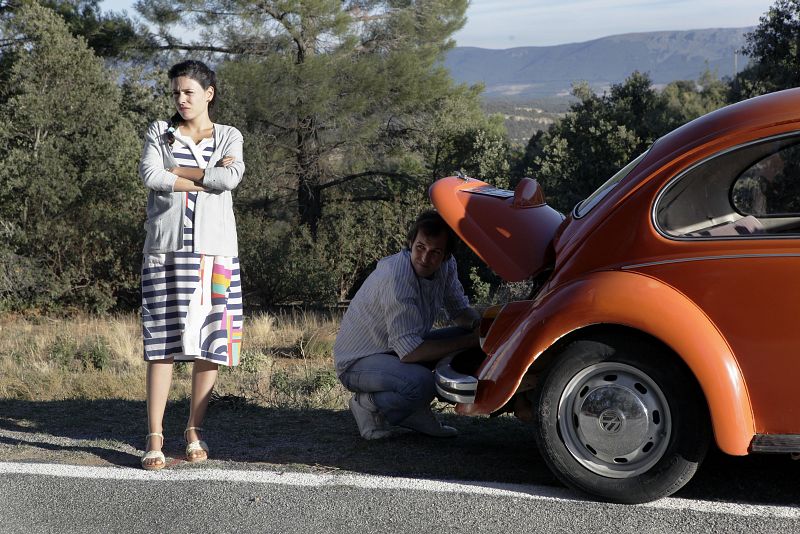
<point x="771" y="187"/>
<point x="752" y="191"/>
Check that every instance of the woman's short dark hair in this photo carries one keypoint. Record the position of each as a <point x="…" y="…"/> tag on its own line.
<point x="431" y="224"/>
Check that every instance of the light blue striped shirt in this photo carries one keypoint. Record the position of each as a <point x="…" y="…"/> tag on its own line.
<point x="394" y="309"/>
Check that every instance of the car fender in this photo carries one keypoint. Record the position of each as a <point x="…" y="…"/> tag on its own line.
<point x="627" y="299"/>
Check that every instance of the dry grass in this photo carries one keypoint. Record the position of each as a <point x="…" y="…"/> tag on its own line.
<point x="286" y="361"/>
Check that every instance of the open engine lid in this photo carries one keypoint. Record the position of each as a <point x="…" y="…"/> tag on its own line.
<point x="511" y="231"/>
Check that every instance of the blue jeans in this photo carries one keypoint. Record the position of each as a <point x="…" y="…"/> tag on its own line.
<point x="398" y="389"/>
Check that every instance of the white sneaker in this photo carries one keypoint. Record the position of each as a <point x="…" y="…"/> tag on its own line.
<point x="424" y="422"/>
<point x="371" y="424"/>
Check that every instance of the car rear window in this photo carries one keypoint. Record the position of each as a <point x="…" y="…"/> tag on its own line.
<point x="749" y="191"/>
<point x="592" y="200"/>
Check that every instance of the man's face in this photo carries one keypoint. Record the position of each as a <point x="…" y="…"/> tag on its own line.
<point x="428" y="253"/>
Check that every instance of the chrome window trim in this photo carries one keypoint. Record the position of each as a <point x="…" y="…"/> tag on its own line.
<point x="738" y="237"/>
<point x="676" y="178"/>
<point x="603" y="194"/>
<point x="709" y="258"/>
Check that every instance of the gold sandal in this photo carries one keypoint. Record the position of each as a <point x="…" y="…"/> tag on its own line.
<point x="195" y="446"/>
<point x="154" y="455"/>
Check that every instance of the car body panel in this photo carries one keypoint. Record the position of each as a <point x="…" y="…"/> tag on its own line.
<point x="725" y="305"/>
<point x="511" y="233"/>
<point x="682" y="148"/>
<point x="632" y="300"/>
<point x="769" y="358"/>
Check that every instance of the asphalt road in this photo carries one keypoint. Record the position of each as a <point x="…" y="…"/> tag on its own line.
<point x="73" y="466"/>
<point x="43" y="498"/>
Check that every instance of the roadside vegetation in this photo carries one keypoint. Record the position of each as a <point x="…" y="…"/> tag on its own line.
<point x="347" y="116"/>
<point x="286" y="361"/>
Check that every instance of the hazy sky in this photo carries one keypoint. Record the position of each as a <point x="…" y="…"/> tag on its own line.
<point x="510" y="23"/>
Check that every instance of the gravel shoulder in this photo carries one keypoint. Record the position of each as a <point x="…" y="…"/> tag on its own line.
<point x="244" y="436"/>
<point x="111" y="432"/>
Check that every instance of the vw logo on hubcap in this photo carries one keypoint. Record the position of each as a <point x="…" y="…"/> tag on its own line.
<point x="610" y="421"/>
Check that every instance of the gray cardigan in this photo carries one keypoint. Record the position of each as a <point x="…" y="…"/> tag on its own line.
<point x="214" y="223"/>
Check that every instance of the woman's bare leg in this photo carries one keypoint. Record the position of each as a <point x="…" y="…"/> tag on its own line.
<point x="204" y="376"/>
<point x="159" y="379"/>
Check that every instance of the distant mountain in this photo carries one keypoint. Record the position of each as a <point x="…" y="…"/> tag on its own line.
<point x="541" y="71"/>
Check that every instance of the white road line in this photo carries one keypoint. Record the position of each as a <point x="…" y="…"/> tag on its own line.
<point x="492" y="489"/>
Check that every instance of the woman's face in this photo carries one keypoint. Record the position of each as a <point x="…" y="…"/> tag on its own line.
<point x="191" y="100"/>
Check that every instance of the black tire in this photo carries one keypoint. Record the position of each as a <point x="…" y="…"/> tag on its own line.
<point x="620" y="419"/>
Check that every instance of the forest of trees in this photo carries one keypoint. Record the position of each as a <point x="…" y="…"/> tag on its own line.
<point x="348" y="117"/>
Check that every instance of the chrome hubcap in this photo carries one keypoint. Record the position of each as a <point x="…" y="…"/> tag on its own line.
<point x="614" y="420"/>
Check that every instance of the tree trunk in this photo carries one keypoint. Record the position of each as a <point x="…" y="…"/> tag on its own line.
<point x="309" y="203"/>
<point x="309" y="192"/>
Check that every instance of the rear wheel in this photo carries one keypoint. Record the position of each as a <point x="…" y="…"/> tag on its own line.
<point x="621" y="420"/>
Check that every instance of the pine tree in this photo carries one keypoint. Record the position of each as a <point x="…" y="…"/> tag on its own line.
<point x="334" y="93"/>
<point x="70" y="201"/>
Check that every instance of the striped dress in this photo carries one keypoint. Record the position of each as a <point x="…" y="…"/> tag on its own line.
<point x="191" y="302"/>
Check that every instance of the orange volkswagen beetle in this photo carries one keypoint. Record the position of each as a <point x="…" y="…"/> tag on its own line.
<point x="666" y="305"/>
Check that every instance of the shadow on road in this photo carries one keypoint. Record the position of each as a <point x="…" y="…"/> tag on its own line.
<point x="498" y="450"/>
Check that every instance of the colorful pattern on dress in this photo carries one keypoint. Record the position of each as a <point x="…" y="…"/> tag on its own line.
<point x="191" y="302"/>
<point x="223" y="326"/>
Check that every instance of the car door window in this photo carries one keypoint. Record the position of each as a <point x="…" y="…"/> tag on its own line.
<point x="752" y="191"/>
<point x="771" y="187"/>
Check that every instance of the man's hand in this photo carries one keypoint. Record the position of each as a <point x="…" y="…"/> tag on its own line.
<point x="469" y="319"/>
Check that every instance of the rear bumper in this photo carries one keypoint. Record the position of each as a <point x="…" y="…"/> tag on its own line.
<point x="453" y="386"/>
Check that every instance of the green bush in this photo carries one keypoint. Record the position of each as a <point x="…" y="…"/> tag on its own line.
<point x="63" y="351"/>
<point x="281" y="382"/>
<point x="324" y="379"/>
<point x="92" y="353"/>
<point x="301" y="388"/>
<point x="95" y="353"/>
<point x="284" y="263"/>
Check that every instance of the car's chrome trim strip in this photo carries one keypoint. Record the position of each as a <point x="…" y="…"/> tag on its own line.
<point x="456" y="398"/>
<point x="709" y="258"/>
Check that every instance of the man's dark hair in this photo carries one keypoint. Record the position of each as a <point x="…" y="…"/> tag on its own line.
<point x="431" y="224"/>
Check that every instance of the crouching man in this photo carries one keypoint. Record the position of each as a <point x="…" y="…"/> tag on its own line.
<point x="385" y="350"/>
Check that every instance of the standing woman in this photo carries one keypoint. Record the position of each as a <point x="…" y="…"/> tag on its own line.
<point x="191" y="290"/>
